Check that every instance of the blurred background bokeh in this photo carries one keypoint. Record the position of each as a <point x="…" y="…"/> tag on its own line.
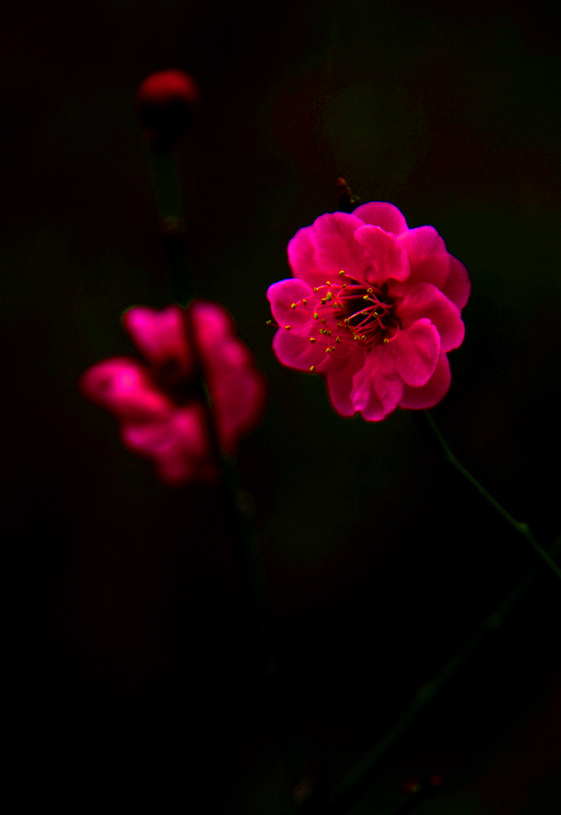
<point x="132" y="670"/>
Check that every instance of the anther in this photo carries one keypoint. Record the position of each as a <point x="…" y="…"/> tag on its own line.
<point x="293" y="305"/>
<point x="312" y="368"/>
<point x="312" y="339"/>
<point x="342" y="272"/>
<point x="316" y="315"/>
<point x="287" y="327"/>
<point x="386" y="339"/>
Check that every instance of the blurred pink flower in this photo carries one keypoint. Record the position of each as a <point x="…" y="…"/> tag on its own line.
<point x="374" y="307"/>
<point x="159" y="405"/>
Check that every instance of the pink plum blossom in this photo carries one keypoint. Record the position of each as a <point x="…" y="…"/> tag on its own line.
<point x="373" y="307"/>
<point x="160" y="404"/>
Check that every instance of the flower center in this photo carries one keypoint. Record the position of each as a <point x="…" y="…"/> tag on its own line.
<point x="353" y="311"/>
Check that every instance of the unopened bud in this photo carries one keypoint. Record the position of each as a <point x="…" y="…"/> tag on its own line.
<point x="164" y="104"/>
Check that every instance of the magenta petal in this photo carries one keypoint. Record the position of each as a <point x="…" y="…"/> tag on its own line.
<point x="425" y="300"/>
<point x="430" y="262"/>
<point x="377" y="388"/>
<point x="123" y="386"/>
<point x="458" y="286"/>
<point x="417" y="350"/>
<point x="160" y="336"/>
<point x="386" y="257"/>
<point x="236" y="387"/>
<point x="430" y="393"/>
<point x="382" y="214"/>
<point x="178" y="445"/>
<point x="301" y="258"/>
<point x="286" y="294"/>
<point x="335" y="247"/>
<point x="213" y="326"/>
<point x="339" y="380"/>
<point x="298" y="352"/>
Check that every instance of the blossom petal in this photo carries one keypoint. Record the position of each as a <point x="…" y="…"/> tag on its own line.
<point x="237" y="389"/>
<point x="430" y="262"/>
<point x="432" y="391"/>
<point x="302" y="260"/>
<point x="160" y="337"/>
<point x="178" y="445"/>
<point x="124" y="387"/>
<point x="377" y="387"/>
<point x="335" y="247"/>
<point x="298" y="352"/>
<point x="286" y="293"/>
<point x="339" y="379"/>
<point x="425" y="300"/>
<point x="386" y="257"/>
<point x="458" y="286"/>
<point x="417" y="350"/>
<point x="382" y="214"/>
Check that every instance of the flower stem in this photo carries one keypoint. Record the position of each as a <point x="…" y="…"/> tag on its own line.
<point x="355" y="783"/>
<point x="541" y="556"/>
<point x="253" y="585"/>
<point x="165" y="177"/>
<point x="239" y="511"/>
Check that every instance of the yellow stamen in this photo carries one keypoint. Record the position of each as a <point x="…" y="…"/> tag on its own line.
<point x="293" y="305"/>
<point x="312" y="339"/>
<point x="312" y="368"/>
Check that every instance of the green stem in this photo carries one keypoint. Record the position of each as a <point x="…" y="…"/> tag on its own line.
<point x="544" y="558"/>
<point x="235" y="501"/>
<point x="251" y="574"/>
<point x="165" y="177"/>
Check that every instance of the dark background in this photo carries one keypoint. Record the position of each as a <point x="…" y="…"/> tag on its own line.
<point x="133" y="672"/>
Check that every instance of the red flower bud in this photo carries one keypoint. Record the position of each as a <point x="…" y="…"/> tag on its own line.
<point x="164" y="104"/>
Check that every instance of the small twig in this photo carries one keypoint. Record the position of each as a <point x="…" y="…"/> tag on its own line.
<point x="544" y="558"/>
